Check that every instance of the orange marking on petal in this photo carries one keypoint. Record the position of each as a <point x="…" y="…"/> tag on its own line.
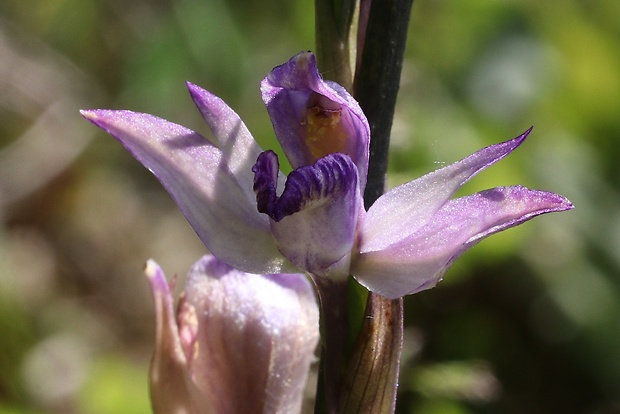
<point x="325" y="132"/>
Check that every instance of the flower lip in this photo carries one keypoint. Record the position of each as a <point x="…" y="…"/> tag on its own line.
<point x="305" y="185"/>
<point x="314" y="220"/>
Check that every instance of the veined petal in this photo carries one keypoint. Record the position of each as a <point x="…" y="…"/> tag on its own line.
<point x="255" y="337"/>
<point x="232" y="137"/>
<point x="406" y="208"/>
<point x="199" y="179"/>
<point x="314" y="220"/>
<point x="418" y="261"/>
<point x="312" y="117"/>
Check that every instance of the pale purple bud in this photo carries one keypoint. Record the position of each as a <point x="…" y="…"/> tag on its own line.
<point x="241" y="342"/>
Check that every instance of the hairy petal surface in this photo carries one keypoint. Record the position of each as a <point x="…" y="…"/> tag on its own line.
<point x="406" y="208"/>
<point x="312" y="117"/>
<point x="199" y="178"/>
<point x="419" y="260"/>
<point x="255" y="337"/>
<point x="314" y="220"/>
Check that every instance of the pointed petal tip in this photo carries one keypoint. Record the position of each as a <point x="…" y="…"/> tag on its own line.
<point x="90" y="114"/>
<point x="299" y="71"/>
<point x="151" y="269"/>
<point x="504" y="148"/>
<point x="198" y="94"/>
<point x="95" y="114"/>
<point x="519" y="139"/>
<point x="494" y="153"/>
<point x="105" y="118"/>
<point x="523" y="136"/>
<point x="195" y="89"/>
<point x="212" y="108"/>
<point x="306" y="57"/>
<point x="549" y="202"/>
<point x="526" y="204"/>
<point x="157" y="278"/>
<point x="564" y="204"/>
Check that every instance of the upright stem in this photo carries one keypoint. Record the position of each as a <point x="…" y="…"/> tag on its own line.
<point x="333" y="25"/>
<point x="377" y="81"/>
<point x="334" y="22"/>
<point x="371" y="378"/>
<point x="333" y="298"/>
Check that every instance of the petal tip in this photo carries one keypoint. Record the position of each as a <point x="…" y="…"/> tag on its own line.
<point x="518" y="140"/>
<point x="151" y="268"/>
<point x="305" y="57"/>
<point x="156" y="278"/>
<point x="526" y="133"/>
<point x="565" y="204"/>
<point x="90" y="114"/>
<point x="194" y="89"/>
<point x="554" y="202"/>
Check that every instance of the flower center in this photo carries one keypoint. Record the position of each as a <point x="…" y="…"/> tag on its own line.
<point x="325" y="131"/>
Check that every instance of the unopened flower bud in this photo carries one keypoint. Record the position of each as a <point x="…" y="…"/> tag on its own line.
<point x="240" y="343"/>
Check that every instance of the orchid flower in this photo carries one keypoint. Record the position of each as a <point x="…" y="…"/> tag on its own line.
<point x="240" y="342"/>
<point x="252" y="217"/>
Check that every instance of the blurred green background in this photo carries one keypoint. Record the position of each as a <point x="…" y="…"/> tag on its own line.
<point x="526" y="322"/>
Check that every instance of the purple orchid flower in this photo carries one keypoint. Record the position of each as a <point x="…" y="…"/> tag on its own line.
<point x="252" y="217"/>
<point x="239" y="342"/>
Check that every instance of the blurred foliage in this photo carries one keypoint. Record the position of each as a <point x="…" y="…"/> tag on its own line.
<point x="529" y="321"/>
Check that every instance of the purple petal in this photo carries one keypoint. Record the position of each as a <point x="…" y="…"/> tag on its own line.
<point x="418" y="261"/>
<point x="232" y="137"/>
<point x="198" y="177"/>
<point x="265" y="182"/>
<point x="254" y="339"/>
<point x="314" y="219"/>
<point x="406" y="208"/>
<point x="312" y="117"/>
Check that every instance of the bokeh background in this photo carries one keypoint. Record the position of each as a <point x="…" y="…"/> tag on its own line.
<point x="526" y="322"/>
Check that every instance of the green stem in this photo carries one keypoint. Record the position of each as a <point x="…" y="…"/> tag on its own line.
<point x="333" y="27"/>
<point x="371" y="377"/>
<point x="370" y="380"/>
<point x="378" y="80"/>
<point x="334" y="318"/>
